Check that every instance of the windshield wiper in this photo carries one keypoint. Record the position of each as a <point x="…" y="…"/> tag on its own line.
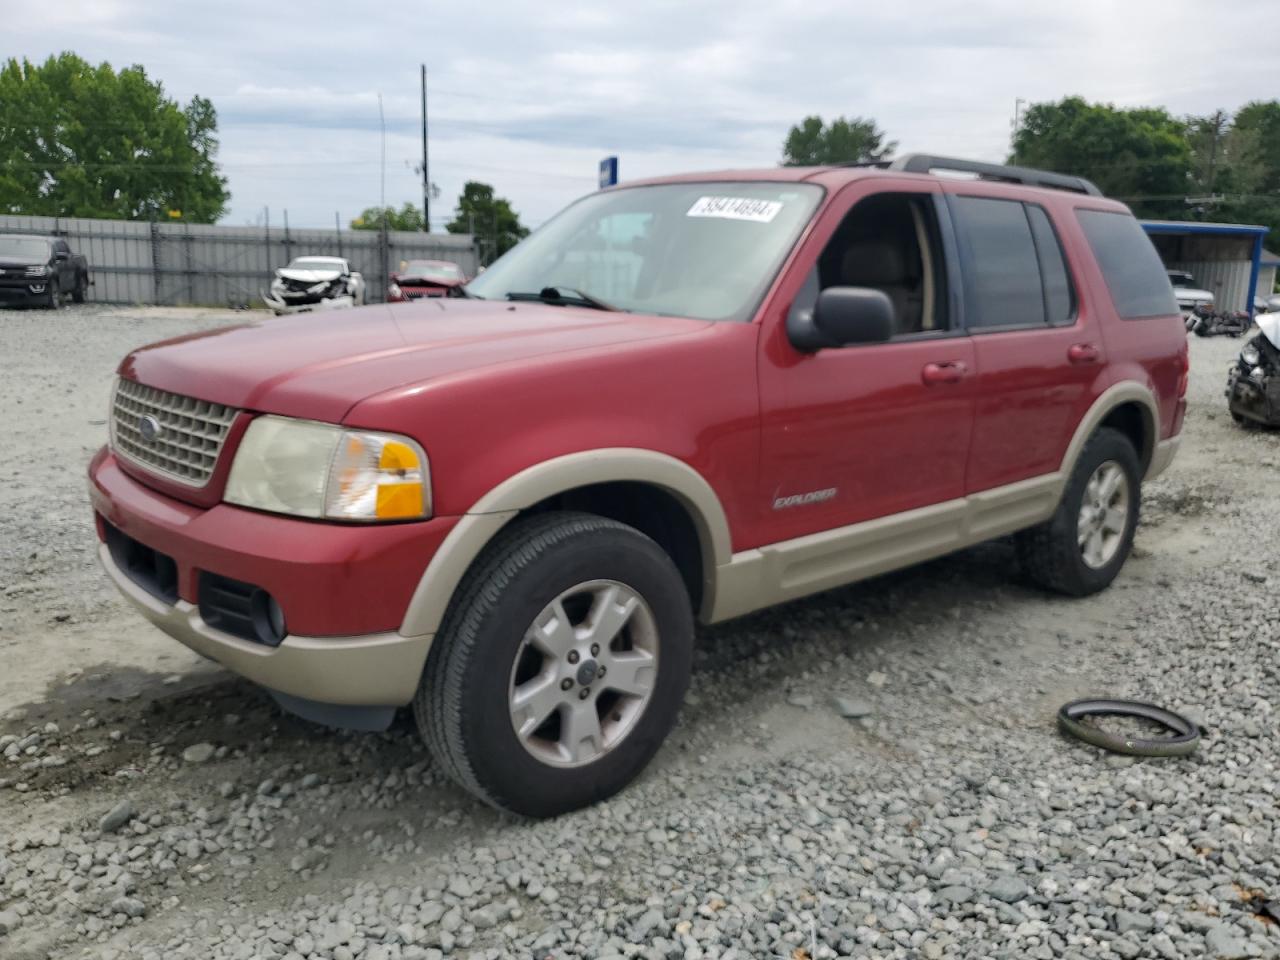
<point x="563" y="297"/>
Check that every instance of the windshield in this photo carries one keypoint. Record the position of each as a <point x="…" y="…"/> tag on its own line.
<point x="34" y="248"/>
<point x="432" y="270"/>
<point x="316" y="263"/>
<point x="701" y="250"/>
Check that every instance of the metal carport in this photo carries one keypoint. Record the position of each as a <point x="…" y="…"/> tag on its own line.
<point x="1225" y="258"/>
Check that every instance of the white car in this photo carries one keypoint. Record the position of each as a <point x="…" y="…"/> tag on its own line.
<point x="1185" y="291"/>
<point x="315" y="283"/>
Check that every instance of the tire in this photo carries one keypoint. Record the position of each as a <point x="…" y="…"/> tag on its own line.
<point x="1054" y="554"/>
<point x="466" y="702"/>
<point x="53" y="299"/>
<point x="82" y="287"/>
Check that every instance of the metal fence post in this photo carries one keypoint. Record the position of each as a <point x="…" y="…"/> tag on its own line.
<point x="155" y="260"/>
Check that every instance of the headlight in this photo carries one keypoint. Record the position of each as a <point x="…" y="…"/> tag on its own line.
<point x="39" y="270"/>
<point x="1250" y="355"/>
<point x="320" y="470"/>
<point x="393" y="290"/>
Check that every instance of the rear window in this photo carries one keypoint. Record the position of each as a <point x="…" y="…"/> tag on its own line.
<point x="1135" y="276"/>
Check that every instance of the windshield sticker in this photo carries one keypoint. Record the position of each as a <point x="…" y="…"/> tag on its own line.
<point x="736" y="208"/>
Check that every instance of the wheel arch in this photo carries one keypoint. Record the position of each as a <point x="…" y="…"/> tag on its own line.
<point x="597" y="478"/>
<point x="1129" y="407"/>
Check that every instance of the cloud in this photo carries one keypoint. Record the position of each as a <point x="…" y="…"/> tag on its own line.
<point x="528" y="97"/>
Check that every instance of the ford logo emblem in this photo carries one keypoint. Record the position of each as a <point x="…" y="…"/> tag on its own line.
<point x="149" y="427"/>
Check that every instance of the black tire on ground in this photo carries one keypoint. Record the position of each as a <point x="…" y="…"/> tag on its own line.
<point x="81" y="288"/>
<point x="53" y="299"/>
<point x="1051" y="554"/>
<point x="463" y="707"/>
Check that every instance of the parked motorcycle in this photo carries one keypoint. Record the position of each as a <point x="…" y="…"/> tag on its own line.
<point x="1253" y="381"/>
<point x="1204" y="321"/>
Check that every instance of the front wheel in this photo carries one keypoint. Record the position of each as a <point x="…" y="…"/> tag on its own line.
<point x="53" y="299"/>
<point x="560" y="666"/>
<point x="1081" y="549"/>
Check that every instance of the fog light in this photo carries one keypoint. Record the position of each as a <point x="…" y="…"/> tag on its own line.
<point x="268" y="619"/>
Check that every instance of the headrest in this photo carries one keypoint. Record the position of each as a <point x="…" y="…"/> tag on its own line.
<point x="873" y="263"/>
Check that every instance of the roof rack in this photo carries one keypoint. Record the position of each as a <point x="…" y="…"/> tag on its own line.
<point x="927" y="163"/>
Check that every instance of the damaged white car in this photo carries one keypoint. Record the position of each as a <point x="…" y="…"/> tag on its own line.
<point x="315" y="283"/>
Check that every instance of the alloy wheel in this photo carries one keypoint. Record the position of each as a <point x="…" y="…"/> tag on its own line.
<point x="585" y="671"/>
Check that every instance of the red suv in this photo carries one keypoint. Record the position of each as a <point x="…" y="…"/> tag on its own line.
<point x="679" y="401"/>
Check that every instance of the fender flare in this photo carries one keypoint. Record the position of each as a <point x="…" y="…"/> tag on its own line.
<point x="1127" y="391"/>
<point x="496" y="508"/>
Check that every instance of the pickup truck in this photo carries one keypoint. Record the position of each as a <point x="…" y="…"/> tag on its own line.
<point x="679" y="401"/>
<point x="41" y="271"/>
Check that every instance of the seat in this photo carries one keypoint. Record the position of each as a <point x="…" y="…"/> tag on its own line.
<point x="881" y="266"/>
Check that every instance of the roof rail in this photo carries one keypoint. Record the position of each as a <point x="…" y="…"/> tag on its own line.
<point x="927" y="163"/>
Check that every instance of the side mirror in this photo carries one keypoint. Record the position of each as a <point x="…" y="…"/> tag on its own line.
<point x="60" y="255"/>
<point x="841" y="317"/>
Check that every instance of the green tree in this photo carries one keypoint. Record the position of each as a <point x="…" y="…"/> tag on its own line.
<point x="812" y="143"/>
<point x="408" y="217"/>
<point x="495" y="225"/>
<point x="83" y="141"/>
<point x="1254" y="185"/>
<point x="1140" y="155"/>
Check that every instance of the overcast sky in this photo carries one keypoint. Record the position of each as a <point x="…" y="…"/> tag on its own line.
<point x="529" y="96"/>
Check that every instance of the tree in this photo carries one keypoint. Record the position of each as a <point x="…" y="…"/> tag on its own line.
<point x="1140" y="155"/>
<point x="83" y="141"/>
<point x="1254" y="186"/>
<point x="408" y="217"/>
<point x="812" y="143"/>
<point x="496" y="226"/>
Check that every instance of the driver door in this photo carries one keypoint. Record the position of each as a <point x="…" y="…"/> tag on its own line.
<point x="862" y="432"/>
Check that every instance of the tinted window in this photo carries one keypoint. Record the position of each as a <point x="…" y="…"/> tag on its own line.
<point x="1058" y="304"/>
<point x="1130" y="265"/>
<point x="1002" y="275"/>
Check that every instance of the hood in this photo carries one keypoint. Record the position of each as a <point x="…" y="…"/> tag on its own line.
<point x="308" y="276"/>
<point x="22" y="262"/>
<point x="1269" y="324"/>
<point x="319" y="365"/>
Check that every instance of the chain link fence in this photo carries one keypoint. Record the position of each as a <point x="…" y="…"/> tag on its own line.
<point x="207" y="265"/>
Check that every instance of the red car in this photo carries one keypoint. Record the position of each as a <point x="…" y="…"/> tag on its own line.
<point x="679" y="401"/>
<point x="424" y="278"/>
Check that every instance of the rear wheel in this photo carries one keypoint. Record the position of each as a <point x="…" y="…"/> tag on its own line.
<point x="560" y="667"/>
<point x="1081" y="549"/>
<point x="81" y="288"/>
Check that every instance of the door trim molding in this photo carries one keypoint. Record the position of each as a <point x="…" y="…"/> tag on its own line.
<point x="778" y="572"/>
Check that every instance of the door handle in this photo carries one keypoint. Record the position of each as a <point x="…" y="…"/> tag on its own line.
<point x="1083" y="353"/>
<point x="949" y="371"/>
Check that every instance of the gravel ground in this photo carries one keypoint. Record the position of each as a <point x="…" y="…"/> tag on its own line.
<point x="870" y="773"/>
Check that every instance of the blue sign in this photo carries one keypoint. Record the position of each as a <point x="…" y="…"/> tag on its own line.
<point x="608" y="172"/>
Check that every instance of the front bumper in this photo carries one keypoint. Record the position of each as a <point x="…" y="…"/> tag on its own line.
<point x="344" y="588"/>
<point x="303" y="303"/>
<point x="25" y="292"/>
<point x="1254" y="399"/>
<point x="380" y="669"/>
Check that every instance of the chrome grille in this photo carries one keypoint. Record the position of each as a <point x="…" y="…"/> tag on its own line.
<point x="185" y="447"/>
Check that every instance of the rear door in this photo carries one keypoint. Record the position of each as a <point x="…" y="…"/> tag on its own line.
<point x="1037" y="348"/>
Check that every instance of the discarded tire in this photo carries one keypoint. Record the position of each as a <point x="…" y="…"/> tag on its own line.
<point x="1187" y="734"/>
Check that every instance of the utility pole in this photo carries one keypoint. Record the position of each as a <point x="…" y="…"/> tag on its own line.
<point x="382" y="167"/>
<point x="1219" y="121"/>
<point x="1017" y="119"/>
<point x="426" y="178"/>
